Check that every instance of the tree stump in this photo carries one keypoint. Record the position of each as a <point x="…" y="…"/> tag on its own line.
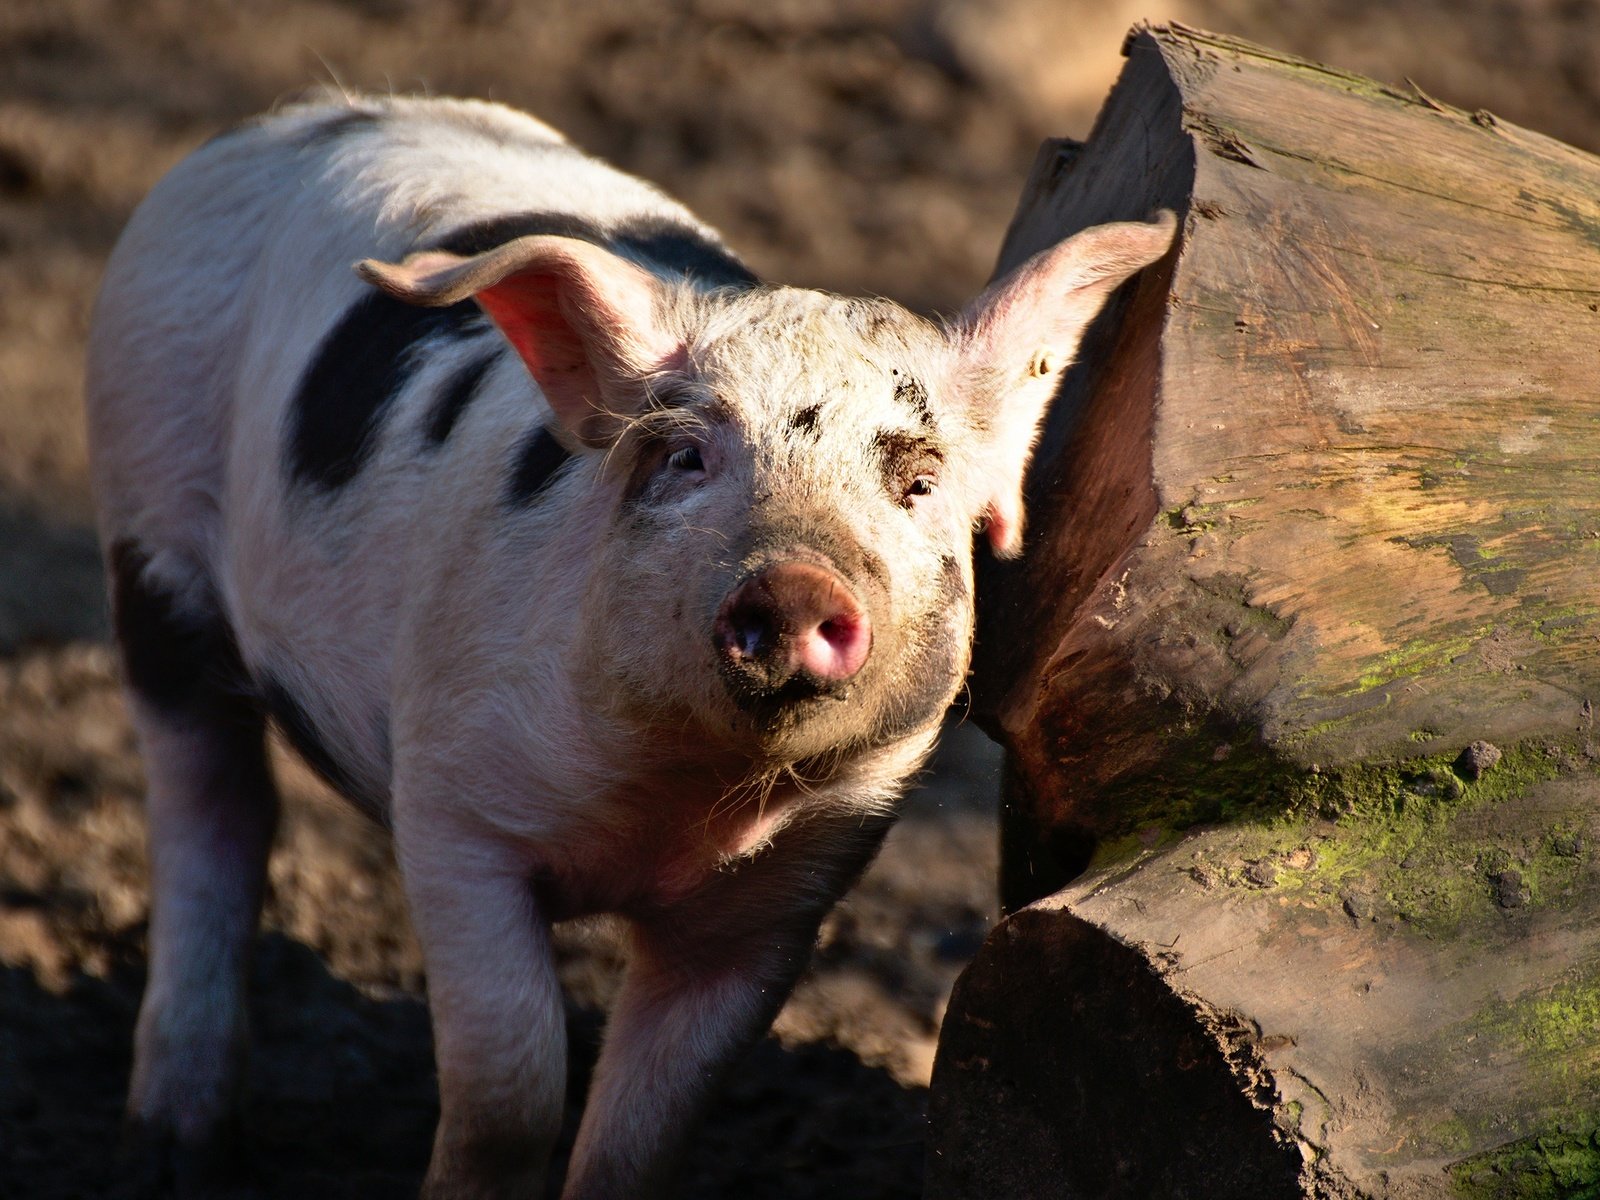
<point x="1295" y="678"/>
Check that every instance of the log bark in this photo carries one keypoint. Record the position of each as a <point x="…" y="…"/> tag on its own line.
<point x="1296" y="677"/>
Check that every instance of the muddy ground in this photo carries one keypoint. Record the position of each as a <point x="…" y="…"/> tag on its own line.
<point x="859" y="145"/>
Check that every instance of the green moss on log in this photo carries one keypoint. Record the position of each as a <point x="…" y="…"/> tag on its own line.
<point x="1543" y="1042"/>
<point x="1412" y="841"/>
<point x="1563" y="1164"/>
<point x="1552" y="1031"/>
<point x="1418" y="656"/>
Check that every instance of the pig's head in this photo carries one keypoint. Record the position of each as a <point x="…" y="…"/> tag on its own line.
<point x="790" y="479"/>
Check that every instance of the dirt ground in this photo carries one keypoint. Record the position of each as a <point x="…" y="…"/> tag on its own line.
<point x="859" y="145"/>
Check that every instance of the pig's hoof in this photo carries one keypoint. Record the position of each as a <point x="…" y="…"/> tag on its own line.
<point x="154" y="1164"/>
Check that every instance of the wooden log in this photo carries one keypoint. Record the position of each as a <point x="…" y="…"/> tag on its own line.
<point x="1296" y="677"/>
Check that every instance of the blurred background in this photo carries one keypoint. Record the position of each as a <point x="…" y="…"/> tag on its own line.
<point x="855" y="145"/>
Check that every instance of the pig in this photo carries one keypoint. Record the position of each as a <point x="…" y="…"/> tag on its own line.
<point x="607" y="577"/>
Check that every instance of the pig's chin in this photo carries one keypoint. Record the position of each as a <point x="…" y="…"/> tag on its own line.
<point x="730" y="722"/>
<point x="807" y="720"/>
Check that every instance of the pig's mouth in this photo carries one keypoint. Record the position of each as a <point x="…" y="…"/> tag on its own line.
<point x="755" y="693"/>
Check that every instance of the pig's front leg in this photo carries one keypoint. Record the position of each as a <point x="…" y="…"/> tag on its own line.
<point x="705" y="978"/>
<point x="499" y="1027"/>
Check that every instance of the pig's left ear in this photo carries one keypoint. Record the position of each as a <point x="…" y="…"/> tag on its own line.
<point x="1014" y="341"/>
<point x="585" y="322"/>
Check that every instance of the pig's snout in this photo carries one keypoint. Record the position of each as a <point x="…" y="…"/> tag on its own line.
<point x="792" y="629"/>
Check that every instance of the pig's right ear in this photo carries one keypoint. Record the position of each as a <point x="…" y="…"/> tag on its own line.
<point x="585" y="322"/>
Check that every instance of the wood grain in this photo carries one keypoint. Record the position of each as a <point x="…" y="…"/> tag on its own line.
<point x="1317" y="509"/>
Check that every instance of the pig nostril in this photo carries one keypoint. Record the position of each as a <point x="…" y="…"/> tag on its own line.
<point x="745" y="630"/>
<point x="837" y="646"/>
<point x="750" y="634"/>
<point x="839" y="631"/>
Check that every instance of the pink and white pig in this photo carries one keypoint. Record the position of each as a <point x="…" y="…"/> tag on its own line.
<point x="609" y="578"/>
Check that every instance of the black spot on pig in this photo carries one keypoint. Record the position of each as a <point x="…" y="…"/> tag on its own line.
<point x="804" y="422"/>
<point x="175" y="660"/>
<point x="877" y="319"/>
<point x="538" y="460"/>
<point x="354" y="378"/>
<point x="671" y="245"/>
<point x="684" y="249"/>
<point x="894" y="445"/>
<point x="458" y="393"/>
<point x="485" y="235"/>
<point x="913" y="395"/>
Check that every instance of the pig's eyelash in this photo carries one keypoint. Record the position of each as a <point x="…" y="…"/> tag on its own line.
<point x="653" y="426"/>
<point x="673" y="393"/>
<point x="659" y="424"/>
<point x="686" y="458"/>
<point x="664" y="422"/>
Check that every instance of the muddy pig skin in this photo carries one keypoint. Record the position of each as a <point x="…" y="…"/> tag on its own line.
<point x="610" y="578"/>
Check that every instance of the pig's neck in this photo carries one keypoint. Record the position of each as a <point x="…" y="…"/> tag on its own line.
<point x="657" y="832"/>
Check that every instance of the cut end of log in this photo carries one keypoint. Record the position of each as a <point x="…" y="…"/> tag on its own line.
<point x="1068" y="1067"/>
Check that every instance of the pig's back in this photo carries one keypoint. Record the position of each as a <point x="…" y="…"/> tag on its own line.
<point x="237" y="265"/>
<point x="271" y="432"/>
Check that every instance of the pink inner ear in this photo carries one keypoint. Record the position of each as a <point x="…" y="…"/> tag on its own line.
<point x="1002" y="525"/>
<point x="527" y="308"/>
<point x="583" y="322"/>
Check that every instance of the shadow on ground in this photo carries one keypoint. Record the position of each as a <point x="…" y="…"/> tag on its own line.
<point x="342" y="1102"/>
<point x="50" y="584"/>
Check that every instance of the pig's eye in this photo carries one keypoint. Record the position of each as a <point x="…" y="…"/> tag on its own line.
<point x="911" y="464"/>
<point x="687" y="459"/>
<point x="919" y="487"/>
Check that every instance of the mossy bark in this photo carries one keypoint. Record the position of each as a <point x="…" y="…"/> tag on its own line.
<point x="1317" y="510"/>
